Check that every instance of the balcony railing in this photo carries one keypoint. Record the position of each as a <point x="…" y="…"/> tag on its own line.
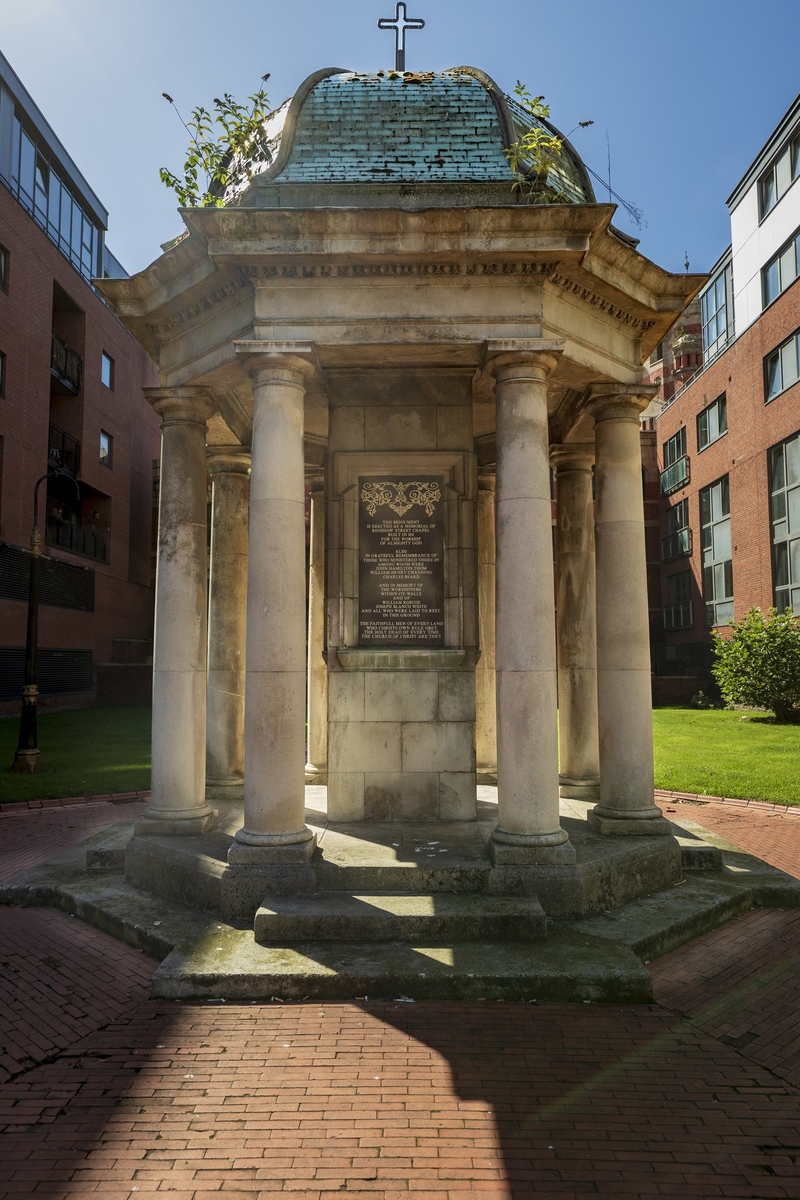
<point x="86" y="542"/>
<point x="64" y="451"/>
<point x="676" y="545"/>
<point x="65" y="363"/>
<point x="678" y="616"/>
<point x="676" y="476"/>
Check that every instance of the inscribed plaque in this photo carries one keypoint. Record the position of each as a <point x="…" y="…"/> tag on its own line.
<point x="401" y="561"/>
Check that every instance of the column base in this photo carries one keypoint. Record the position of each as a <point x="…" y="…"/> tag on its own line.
<point x="295" y="852"/>
<point x="519" y="851"/>
<point x="316" y="775"/>
<point x="571" y="787"/>
<point x="487" y="776"/>
<point x="607" y="821"/>
<point x="224" y="789"/>
<point x="27" y="762"/>
<point x="162" y="824"/>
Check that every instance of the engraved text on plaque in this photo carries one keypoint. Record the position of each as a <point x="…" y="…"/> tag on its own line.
<point x="401" y="561"/>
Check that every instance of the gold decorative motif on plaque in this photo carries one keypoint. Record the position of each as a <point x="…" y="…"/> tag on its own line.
<point x="401" y="497"/>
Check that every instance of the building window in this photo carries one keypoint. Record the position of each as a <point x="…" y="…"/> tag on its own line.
<point x="676" y="464"/>
<point x="784" y="474"/>
<point x="717" y="308"/>
<point x="712" y="422"/>
<point x="2" y="374"/>
<point x="107" y="370"/>
<point x="3" y="269"/>
<point x="678" y="541"/>
<point x="715" y="526"/>
<point x="678" y="609"/>
<point x="781" y="271"/>
<point x="781" y="367"/>
<point x="658" y="353"/>
<point x="106" y="448"/>
<point x="780" y="176"/>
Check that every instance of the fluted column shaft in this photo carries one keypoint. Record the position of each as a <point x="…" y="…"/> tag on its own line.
<point x="485" y="685"/>
<point x="623" y="636"/>
<point x="274" y="827"/>
<point x="178" y="802"/>
<point x="227" y="617"/>
<point x="528" y="829"/>
<point x="576" y="624"/>
<point x="317" y="701"/>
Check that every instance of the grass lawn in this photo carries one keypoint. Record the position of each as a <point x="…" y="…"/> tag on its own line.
<point x="99" y="750"/>
<point x="90" y="751"/>
<point x="723" y="753"/>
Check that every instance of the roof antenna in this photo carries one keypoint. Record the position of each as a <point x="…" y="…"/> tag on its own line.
<point x="686" y="257"/>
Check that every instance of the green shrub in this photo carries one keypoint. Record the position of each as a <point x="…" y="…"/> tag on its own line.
<point x="759" y="664"/>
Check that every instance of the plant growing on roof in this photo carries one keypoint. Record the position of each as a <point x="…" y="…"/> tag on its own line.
<point x="532" y="155"/>
<point x="222" y="149"/>
<point x="759" y="664"/>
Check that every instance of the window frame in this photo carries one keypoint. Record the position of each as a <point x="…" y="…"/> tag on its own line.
<point x="776" y="262"/>
<point x="714" y="601"/>
<point x="3" y="368"/>
<point x="721" y="403"/>
<point x="107" y="460"/>
<point x="781" y="514"/>
<point x="106" y="358"/>
<point x="790" y="148"/>
<point x="5" y="260"/>
<point x="775" y="358"/>
<point x="720" y="285"/>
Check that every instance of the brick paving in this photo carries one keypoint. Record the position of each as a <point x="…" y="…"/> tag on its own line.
<point x="697" y="1095"/>
<point x="773" y="836"/>
<point x="28" y="837"/>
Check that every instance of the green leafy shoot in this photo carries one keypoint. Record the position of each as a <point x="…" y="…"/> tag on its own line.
<point x="221" y="150"/>
<point x="531" y="157"/>
<point x="759" y="663"/>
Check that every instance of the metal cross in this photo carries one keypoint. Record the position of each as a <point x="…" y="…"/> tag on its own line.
<point x="400" y="24"/>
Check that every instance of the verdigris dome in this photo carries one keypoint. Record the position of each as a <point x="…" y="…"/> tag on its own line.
<point x="390" y="128"/>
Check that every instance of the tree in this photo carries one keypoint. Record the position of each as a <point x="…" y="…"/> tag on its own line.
<point x="215" y="163"/>
<point x="532" y="155"/>
<point x="759" y="664"/>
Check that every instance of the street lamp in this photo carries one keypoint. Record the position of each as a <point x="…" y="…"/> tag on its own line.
<point x="26" y="759"/>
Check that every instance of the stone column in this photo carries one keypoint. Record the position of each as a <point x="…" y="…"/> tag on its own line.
<point x="317" y="765"/>
<point x="485" y="685"/>
<point x="228" y="467"/>
<point x="623" y="636"/>
<point x="178" y="804"/>
<point x="528" y="829"/>
<point x="577" y="635"/>
<point x="274" y="829"/>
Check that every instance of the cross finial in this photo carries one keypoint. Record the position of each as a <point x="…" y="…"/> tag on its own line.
<point x="400" y="23"/>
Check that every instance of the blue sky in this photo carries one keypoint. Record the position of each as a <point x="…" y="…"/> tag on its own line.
<point x="687" y="91"/>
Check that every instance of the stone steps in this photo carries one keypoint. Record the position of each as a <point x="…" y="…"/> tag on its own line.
<point x="416" y="918"/>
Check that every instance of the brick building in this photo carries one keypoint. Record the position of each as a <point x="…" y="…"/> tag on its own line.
<point x="729" y="435"/>
<point x="70" y="397"/>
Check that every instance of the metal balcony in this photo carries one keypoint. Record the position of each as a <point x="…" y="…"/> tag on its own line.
<point x="76" y="539"/>
<point x="64" y="451"/>
<point x="65" y="364"/>
<point x="676" y="476"/>
<point x="678" y="616"/>
<point x="676" y="545"/>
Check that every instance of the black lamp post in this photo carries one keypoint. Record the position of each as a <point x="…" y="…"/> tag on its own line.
<point x="26" y="759"/>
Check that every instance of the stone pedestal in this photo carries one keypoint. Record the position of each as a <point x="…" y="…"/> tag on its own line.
<point x="577" y="638"/>
<point x="274" y="829"/>
<point x="178" y="804"/>
<point x="623" y="637"/>
<point x="485" y="683"/>
<point x="227" y="619"/>
<point x="317" y="703"/>
<point x="528" y="830"/>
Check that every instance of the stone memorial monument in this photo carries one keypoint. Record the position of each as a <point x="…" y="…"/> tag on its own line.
<point x="402" y="350"/>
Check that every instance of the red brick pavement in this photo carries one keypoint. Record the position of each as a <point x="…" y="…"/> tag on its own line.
<point x="30" y="837"/>
<point x="773" y="836"/>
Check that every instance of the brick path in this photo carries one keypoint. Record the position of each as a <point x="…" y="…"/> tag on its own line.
<point x="773" y="836"/>
<point x="697" y="1096"/>
<point x="30" y="837"/>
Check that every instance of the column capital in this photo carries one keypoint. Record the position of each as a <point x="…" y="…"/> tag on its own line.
<point x="503" y="357"/>
<point x="228" y="460"/>
<point x="572" y="456"/>
<point x="279" y="362"/>
<point x="618" y="401"/>
<point x="181" y="405"/>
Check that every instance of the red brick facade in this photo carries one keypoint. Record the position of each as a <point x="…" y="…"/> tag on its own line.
<point x="117" y="503"/>
<point x="741" y="454"/>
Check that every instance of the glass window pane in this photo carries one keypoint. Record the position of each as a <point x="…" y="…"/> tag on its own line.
<point x="726" y="496"/>
<point x="788" y="266"/>
<point x="779" y="506"/>
<point x="702" y="430"/>
<point x="728" y="578"/>
<point x="773" y="375"/>
<point x="795" y="596"/>
<point x="795" y="158"/>
<point x="724" y="614"/>
<point x="789" y="363"/>
<point x="776" y="468"/>
<point x="781" y="564"/>
<point x="27" y="165"/>
<point x="783" y="171"/>
<point x="708" y="583"/>
<point x="768" y="191"/>
<point x="709" y="614"/>
<point x="794" y="511"/>
<point x="772" y="285"/>
<point x="66" y="215"/>
<point x="794" y="560"/>
<point x="705" y="508"/>
<point x="782" y="600"/>
<point x="722" y="410"/>
<point x="716" y="502"/>
<point x="77" y="225"/>
<point x="722" y="540"/>
<point x="792" y="450"/>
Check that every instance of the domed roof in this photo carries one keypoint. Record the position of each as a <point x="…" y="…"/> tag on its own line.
<point x="388" y="127"/>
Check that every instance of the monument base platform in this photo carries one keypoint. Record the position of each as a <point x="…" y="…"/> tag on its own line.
<point x="404" y="912"/>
